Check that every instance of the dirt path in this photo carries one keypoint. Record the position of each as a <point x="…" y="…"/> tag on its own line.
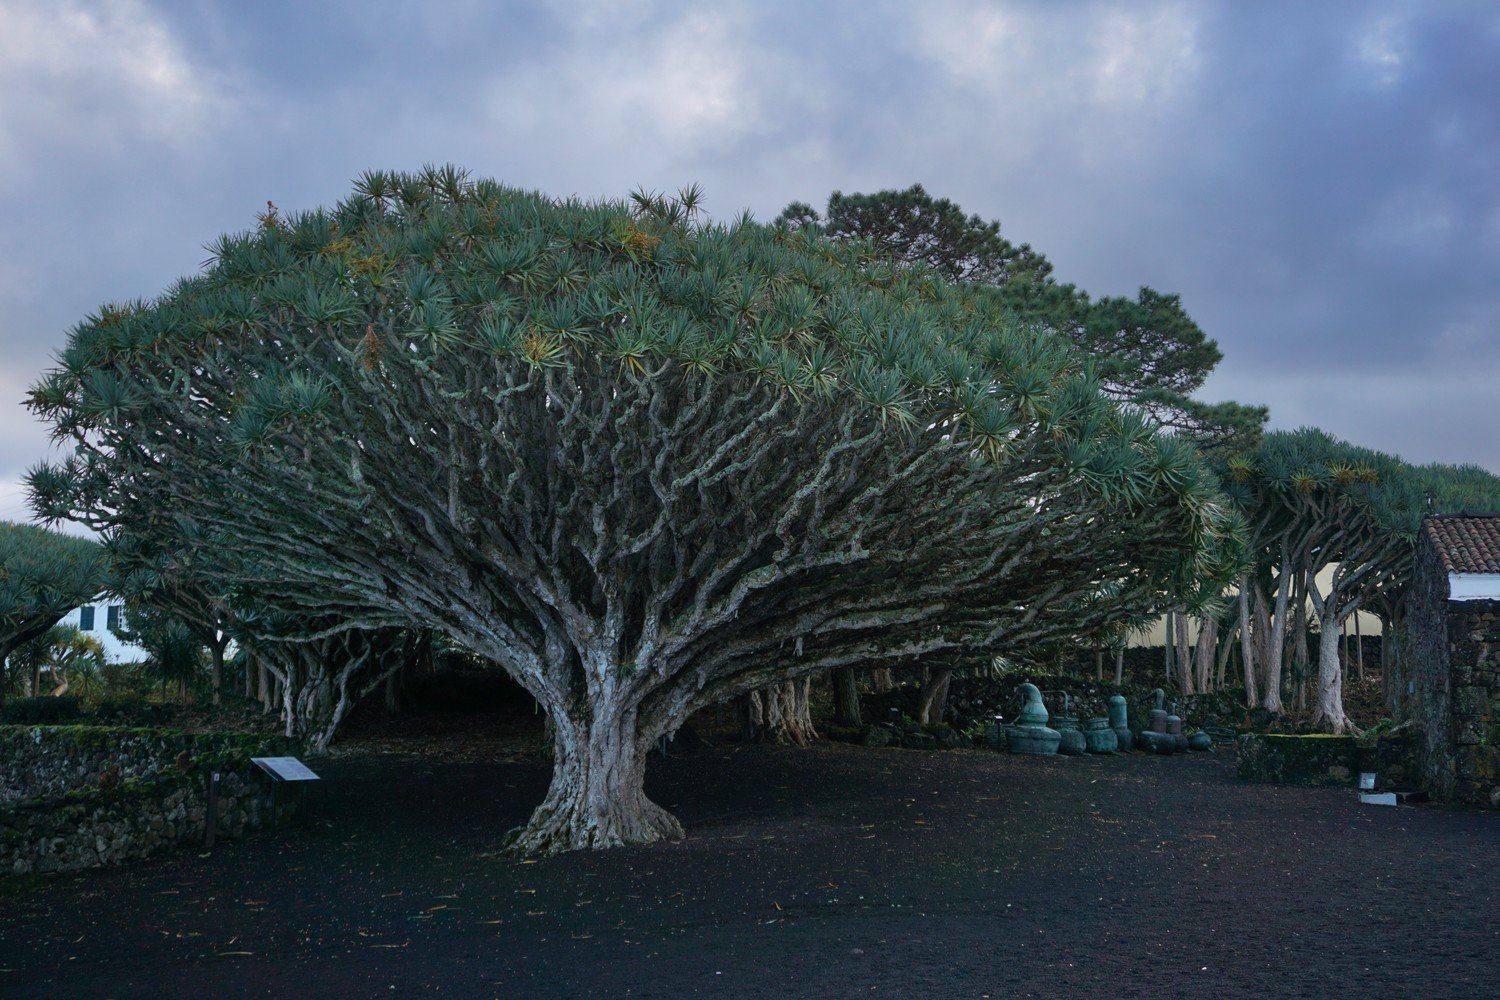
<point x="826" y="872"/>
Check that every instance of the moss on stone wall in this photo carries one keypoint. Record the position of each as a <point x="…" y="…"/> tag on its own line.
<point x="83" y="796"/>
<point x="1298" y="760"/>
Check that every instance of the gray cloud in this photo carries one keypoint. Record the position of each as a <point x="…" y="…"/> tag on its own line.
<point x="1315" y="179"/>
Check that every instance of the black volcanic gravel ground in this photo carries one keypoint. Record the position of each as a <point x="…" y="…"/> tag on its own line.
<point x="833" y="871"/>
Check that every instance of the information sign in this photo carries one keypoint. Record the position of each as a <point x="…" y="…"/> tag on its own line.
<point x="284" y="768"/>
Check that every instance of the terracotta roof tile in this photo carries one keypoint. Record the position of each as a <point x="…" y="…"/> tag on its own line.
<point x="1467" y="543"/>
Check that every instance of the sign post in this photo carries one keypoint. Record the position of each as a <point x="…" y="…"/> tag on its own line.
<point x="211" y="821"/>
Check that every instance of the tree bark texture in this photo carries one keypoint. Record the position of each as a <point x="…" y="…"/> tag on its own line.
<point x="846" y="708"/>
<point x="663" y="543"/>
<point x="597" y="797"/>
<point x="933" y="699"/>
<point x="1203" y="654"/>
<point x="783" y="713"/>
<point x="1330" y="677"/>
<point x="1169" y="644"/>
<point x="1224" y="655"/>
<point x="1180" y="655"/>
<point x="216" y="668"/>
<point x="1301" y="660"/>
<point x="320" y="680"/>
<point x="1276" y="644"/>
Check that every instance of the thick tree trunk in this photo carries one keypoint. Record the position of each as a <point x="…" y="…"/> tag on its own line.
<point x="934" y="698"/>
<point x="1330" y="685"/>
<point x="1167" y="640"/>
<point x="1182" y="656"/>
<point x="1184" y="651"/>
<point x="881" y="680"/>
<point x="1359" y="649"/>
<point x="1276" y="644"/>
<point x="1119" y="666"/>
<point x="1300" y="658"/>
<point x="1390" y="686"/>
<point x="1203" y="655"/>
<point x="747" y="706"/>
<point x="846" y="697"/>
<point x="1330" y="709"/>
<point x="786" y="713"/>
<point x="1247" y="647"/>
<point x="598" y="796"/>
<point x="393" y="684"/>
<point x="1261" y="613"/>
<point x="216" y="671"/>
<point x="1224" y="654"/>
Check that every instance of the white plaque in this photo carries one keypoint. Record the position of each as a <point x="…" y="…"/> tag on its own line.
<point x="284" y="768"/>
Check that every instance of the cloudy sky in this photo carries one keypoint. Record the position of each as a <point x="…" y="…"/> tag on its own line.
<point x="1318" y="181"/>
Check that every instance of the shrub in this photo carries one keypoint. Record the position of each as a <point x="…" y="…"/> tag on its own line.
<point x="130" y="712"/>
<point x="41" y="711"/>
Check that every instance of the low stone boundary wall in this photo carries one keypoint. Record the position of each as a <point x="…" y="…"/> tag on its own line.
<point x="1284" y="759"/>
<point x="83" y="796"/>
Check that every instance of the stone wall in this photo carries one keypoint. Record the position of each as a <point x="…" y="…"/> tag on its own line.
<point x="1421" y="691"/>
<point x="1284" y="759"/>
<point x="82" y="796"/>
<point x="1449" y="687"/>
<point x="1474" y="701"/>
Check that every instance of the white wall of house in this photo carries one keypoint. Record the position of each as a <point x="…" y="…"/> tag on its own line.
<point x="100" y="620"/>
<point x="1474" y="586"/>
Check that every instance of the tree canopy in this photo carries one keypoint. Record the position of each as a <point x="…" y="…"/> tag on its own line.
<point x="1147" y="351"/>
<point x="643" y="462"/>
<point x="43" y="576"/>
<point x="1314" y="503"/>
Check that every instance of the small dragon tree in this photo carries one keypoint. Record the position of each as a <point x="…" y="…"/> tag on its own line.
<point x="1313" y="504"/>
<point x="644" y="463"/>
<point x="43" y="575"/>
<point x="158" y="582"/>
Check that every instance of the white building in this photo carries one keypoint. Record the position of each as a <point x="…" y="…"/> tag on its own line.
<point x="103" y="620"/>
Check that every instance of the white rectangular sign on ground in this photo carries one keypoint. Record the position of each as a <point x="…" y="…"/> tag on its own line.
<point x="284" y="768"/>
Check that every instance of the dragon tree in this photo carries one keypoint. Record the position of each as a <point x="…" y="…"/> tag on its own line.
<point x="1318" y="506"/>
<point x="43" y="576"/>
<point x="644" y="462"/>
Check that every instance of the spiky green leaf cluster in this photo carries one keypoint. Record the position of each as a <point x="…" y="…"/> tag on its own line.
<point x="414" y="265"/>
<point x="418" y="276"/>
<point x="43" y="575"/>
<point x="1318" y="499"/>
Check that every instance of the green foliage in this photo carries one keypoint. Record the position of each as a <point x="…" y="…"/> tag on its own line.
<point x="176" y="651"/>
<point x="60" y="659"/>
<point x="43" y="575"/>
<point x="1146" y="351"/>
<point x="41" y="711"/>
<point x="129" y="710"/>
<point x="309" y="311"/>
<point x="1316" y="500"/>
<point x="447" y="403"/>
<point x="914" y="228"/>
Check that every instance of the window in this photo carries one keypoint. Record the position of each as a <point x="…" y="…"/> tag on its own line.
<point x="86" y="618"/>
<point x="112" y="618"/>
